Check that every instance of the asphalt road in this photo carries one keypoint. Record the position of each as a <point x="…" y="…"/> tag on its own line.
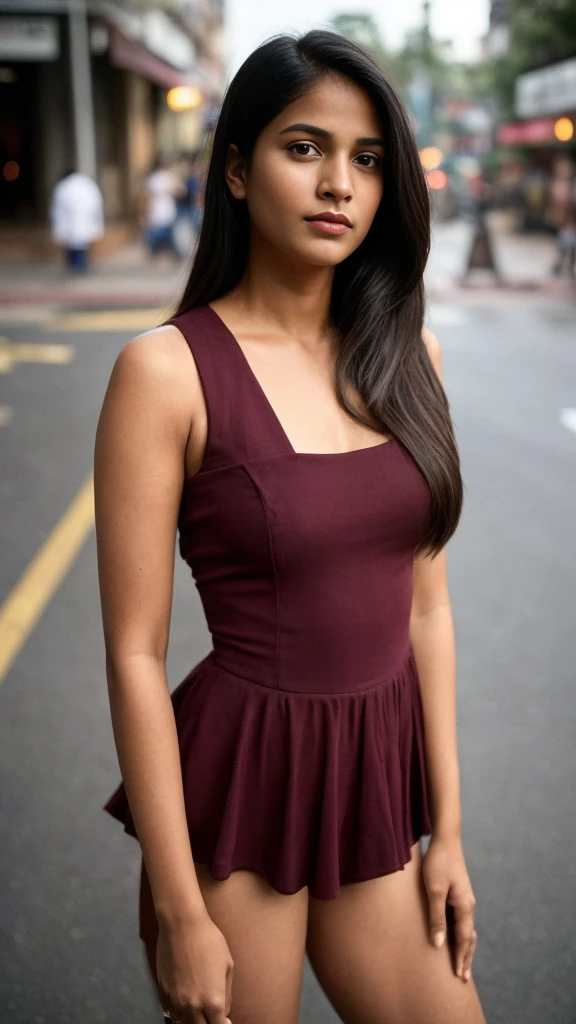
<point x="68" y="873"/>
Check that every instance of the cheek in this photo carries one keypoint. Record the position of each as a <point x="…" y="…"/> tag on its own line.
<point x="277" y="193"/>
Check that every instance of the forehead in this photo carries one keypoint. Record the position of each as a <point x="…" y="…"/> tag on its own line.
<point x="335" y="103"/>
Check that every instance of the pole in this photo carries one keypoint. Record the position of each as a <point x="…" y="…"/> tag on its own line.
<point x="81" y="78"/>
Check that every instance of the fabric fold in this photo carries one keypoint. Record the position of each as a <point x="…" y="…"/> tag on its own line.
<point x="306" y="789"/>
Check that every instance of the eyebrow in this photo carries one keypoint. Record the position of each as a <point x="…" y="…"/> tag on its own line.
<point x="311" y="129"/>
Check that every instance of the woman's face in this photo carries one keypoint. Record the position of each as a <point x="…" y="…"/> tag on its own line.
<point x="322" y="154"/>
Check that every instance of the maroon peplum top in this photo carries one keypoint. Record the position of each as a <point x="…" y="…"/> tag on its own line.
<point x="301" y="732"/>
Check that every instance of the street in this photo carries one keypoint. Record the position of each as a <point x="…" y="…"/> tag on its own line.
<point x="68" y="873"/>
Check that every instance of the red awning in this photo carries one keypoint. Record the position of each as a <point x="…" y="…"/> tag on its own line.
<point x="131" y="56"/>
<point x="527" y="133"/>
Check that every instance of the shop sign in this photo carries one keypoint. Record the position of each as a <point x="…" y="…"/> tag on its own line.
<point x="550" y="90"/>
<point x="162" y="37"/>
<point x="525" y="133"/>
<point x="155" y="31"/>
<point x="28" y="39"/>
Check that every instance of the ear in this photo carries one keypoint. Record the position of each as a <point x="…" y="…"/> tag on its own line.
<point x="235" y="172"/>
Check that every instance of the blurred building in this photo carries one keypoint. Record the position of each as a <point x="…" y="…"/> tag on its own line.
<point x="497" y="40"/>
<point x="87" y="84"/>
<point x="545" y="134"/>
<point x="533" y="55"/>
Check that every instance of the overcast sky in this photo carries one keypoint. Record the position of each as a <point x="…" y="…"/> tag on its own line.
<point x="250" y="22"/>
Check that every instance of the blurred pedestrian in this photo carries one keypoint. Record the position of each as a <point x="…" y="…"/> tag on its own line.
<point x="566" y="244"/>
<point x="187" y="217"/>
<point x="77" y="217"/>
<point x="158" y="209"/>
<point x="193" y="183"/>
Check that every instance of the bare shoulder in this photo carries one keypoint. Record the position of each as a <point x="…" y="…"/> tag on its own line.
<point x="433" y="349"/>
<point x="159" y="359"/>
<point x="152" y="406"/>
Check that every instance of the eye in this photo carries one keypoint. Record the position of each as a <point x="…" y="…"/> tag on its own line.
<point x="377" y="160"/>
<point x="301" y="145"/>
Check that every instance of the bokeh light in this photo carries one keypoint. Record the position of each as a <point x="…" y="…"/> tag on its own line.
<point x="11" y="170"/>
<point x="437" y="179"/>
<point x="563" y="129"/>
<point x="431" y="157"/>
<point x="184" y="97"/>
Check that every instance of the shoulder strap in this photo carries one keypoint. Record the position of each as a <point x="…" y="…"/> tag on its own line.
<point x="240" y="424"/>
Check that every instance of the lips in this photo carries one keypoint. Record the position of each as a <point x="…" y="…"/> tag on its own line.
<point x="334" y="218"/>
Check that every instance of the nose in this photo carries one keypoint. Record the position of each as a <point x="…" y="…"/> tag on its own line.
<point x="336" y="180"/>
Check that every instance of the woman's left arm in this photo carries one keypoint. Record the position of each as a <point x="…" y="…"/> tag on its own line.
<point x="433" y="641"/>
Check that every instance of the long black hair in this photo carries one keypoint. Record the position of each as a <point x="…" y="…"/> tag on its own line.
<point x="377" y="301"/>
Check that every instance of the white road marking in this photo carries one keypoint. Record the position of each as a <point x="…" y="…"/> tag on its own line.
<point x="448" y="315"/>
<point x="6" y="413"/>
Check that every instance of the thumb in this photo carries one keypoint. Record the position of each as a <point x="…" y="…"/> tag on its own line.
<point x="437" y="893"/>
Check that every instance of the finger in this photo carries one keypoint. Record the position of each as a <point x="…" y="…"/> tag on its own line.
<point x="214" y="1012"/>
<point x="463" y="929"/>
<point x="437" y="909"/>
<point x="462" y="962"/>
<point x="467" y="963"/>
<point x="228" y="992"/>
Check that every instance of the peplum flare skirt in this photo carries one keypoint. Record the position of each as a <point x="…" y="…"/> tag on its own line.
<point x="307" y="789"/>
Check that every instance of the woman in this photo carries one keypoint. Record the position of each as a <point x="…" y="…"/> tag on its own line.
<point x="306" y="454"/>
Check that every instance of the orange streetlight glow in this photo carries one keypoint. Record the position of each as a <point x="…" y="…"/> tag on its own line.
<point x="183" y="97"/>
<point x="563" y="129"/>
<point x="431" y="157"/>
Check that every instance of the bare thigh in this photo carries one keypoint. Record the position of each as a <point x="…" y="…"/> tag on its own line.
<point x="370" y="951"/>
<point x="266" y="935"/>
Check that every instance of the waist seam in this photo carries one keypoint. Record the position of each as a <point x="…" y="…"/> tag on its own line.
<point x="322" y="693"/>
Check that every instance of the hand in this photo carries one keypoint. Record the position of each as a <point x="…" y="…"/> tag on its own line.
<point x="194" y="969"/>
<point x="448" y="885"/>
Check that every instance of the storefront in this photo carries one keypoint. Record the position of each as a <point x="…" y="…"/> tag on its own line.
<point x="86" y="91"/>
<point x="542" y="144"/>
<point x="32" y="68"/>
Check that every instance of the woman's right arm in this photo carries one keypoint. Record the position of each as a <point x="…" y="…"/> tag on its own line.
<point x="142" y="432"/>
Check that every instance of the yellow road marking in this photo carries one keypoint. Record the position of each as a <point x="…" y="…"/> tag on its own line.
<point x="110" y="320"/>
<point x="6" y="413"/>
<point x="24" y="352"/>
<point x="24" y="606"/>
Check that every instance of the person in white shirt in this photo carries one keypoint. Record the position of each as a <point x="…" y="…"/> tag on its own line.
<point x="77" y="217"/>
<point x="158" y="209"/>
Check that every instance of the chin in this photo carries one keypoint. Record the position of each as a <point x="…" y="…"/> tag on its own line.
<point x="323" y="253"/>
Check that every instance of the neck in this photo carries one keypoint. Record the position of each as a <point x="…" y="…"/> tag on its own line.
<point x="284" y="294"/>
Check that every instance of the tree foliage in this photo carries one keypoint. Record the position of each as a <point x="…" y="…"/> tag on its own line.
<point x="541" y="32"/>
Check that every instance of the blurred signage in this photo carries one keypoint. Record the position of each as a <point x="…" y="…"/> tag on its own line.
<point x="522" y="133"/>
<point x="28" y="38"/>
<point x="130" y="55"/>
<point x="550" y="90"/>
<point x="162" y="37"/>
<point x="157" y="33"/>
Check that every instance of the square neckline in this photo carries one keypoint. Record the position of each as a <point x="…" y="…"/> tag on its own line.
<point x="272" y="412"/>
